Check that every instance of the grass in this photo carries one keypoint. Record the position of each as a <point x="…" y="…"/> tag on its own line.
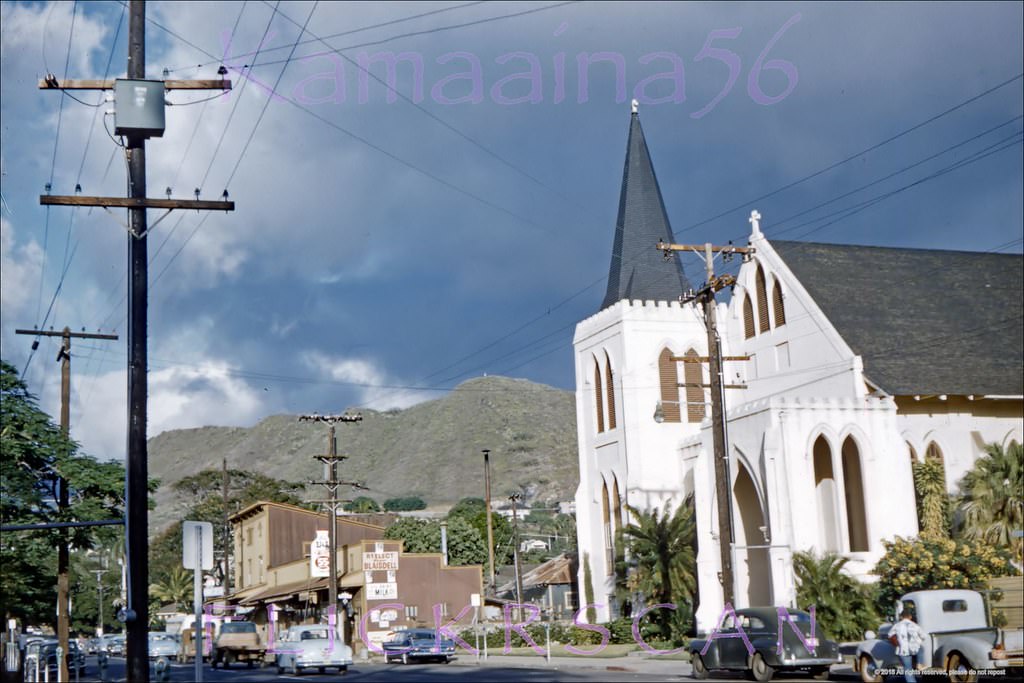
<point x="609" y="652"/>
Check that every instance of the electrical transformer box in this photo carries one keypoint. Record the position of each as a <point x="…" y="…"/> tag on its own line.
<point x="138" y="108"/>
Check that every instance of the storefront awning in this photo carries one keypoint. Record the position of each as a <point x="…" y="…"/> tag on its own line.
<point x="285" y="591"/>
<point x="353" y="580"/>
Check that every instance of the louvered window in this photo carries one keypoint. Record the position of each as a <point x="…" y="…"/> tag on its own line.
<point x="610" y="390"/>
<point x="748" y="317"/>
<point x="763" y="324"/>
<point x="669" y="386"/>
<point x="694" y="374"/>
<point x="597" y="397"/>
<point x="780" y="310"/>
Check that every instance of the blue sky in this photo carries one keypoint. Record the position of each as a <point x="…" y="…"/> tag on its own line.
<point x="384" y="251"/>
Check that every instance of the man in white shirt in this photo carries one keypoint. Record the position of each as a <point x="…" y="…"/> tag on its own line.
<point x="909" y="637"/>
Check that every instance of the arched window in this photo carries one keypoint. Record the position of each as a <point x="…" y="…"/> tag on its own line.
<point x="763" y="324"/>
<point x="825" y="490"/>
<point x="748" y="317"/>
<point x="779" y="309"/>
<point x="853" y="486"/>
<point x="610" y="390"/>
<point x="616" y="504"/>
<point x="694" y="377"/>
<point x="669" y="386"/>
<point x="599" y="402"/>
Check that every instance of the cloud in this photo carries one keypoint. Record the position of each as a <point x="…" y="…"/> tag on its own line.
<point x="376" y="389"/>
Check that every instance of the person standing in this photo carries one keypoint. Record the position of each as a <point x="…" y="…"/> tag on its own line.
<point x="909" y="638"/>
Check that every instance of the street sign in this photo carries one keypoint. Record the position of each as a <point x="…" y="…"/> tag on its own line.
<point x="320" y="554"/>
<point x="197" y="538"/>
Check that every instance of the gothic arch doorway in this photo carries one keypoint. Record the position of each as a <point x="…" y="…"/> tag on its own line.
<point x="753" y="569"/>
<point x="826" y="496"/>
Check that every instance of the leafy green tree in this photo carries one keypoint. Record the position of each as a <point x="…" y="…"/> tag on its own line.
<point x="468" y="507"/>
<point x="362" y="504"/>
<point x="34" y="457"/>
<point x="474" y="511"/>
<point x="407" y="503"/>
<point x="932" y="499"/>
<point x="929" y="562"/>
<point x="422" y="536"/>
<point x="96" y="576"/>
<point x="660" y="563"/>
<point x="991" y="501"/>
<point x="842" y="604"/>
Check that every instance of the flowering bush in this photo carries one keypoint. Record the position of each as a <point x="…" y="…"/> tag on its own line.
<point x="932" y="562"/>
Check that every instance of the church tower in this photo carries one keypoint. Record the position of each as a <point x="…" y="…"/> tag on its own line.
<point x="627" y="381"/>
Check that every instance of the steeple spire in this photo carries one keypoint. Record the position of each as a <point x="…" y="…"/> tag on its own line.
<point x="638" y="270"/>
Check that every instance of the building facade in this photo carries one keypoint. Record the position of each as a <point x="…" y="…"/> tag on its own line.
<point x="862" y="360"/>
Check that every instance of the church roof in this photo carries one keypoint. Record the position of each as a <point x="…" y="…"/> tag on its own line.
<point x="924" y="321"/>
<point x="638" y="270"/>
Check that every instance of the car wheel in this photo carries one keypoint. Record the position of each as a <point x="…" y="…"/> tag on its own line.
<point x="280" y="669"/>
<point x="321" y="669"/>
<point x="296" y="670"/>
<point x="959" y="669"/>
<point x="229" y="659"/>
<point x="868" y="670"/>
<point x="249" y="663"/>
<point x="821" y="674"/>
<point x="760" y="669"/>
<point x="700" y="672"/>
<point x="342" y="670"/>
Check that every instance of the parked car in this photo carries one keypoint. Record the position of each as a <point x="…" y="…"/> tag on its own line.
<point x="238" y="641"/>
<point x="958" y="639"/>
<point x="47" y="652"/>
<point x="115" y="646"/>
<point x="418" y="645"/>
<point x="164" y="644"/>
<point x="311" y="646"/>
<point x="761" y="625"/>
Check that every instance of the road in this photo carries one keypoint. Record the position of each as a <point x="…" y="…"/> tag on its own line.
<point x="467" y="670"/>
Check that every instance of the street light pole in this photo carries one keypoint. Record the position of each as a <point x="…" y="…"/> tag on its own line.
<point x="490" y="528"/>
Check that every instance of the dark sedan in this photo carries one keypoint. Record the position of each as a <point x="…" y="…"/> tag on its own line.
<point x="418" y="645"/>
<point x="727" y="648"/>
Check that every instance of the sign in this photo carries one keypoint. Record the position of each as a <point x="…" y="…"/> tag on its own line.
<point x="320" y="554"/>
<point x="474" y="599"/>
<point x="382" y="591"/>
<point x="388" y="615"/>
<point x="197" y="545"/>
<point x="391" y="576"/>
<point x="380" y="561"/>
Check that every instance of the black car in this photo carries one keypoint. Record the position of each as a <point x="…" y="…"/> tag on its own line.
<point x="727" y="649"/>
<point x="419" y="645"/>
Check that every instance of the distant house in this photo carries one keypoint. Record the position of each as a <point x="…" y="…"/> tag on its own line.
<point x="532" y="544"/>
<point x="550" y="586"/>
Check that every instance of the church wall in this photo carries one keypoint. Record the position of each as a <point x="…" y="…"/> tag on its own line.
<point x="961" y="428"/>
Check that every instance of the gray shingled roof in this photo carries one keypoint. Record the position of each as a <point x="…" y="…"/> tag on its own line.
<point x="638" y="270"/>
<point x="924" y="321"/>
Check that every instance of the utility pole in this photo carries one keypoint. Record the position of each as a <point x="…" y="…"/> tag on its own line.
<point x="490" y="528"/>
<point x="63" y="551"/>
<point x="141" y="119"/>
<point x="99" y="586"/>
<point x="714" y="359"/>
<point x="331" y="483"/>
<point x="515" y="497"/>
<point x="225" y="536"/>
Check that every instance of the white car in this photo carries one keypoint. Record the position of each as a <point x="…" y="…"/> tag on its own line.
<point x="309" y="647"/>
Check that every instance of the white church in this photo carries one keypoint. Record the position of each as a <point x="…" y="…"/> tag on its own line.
<point x="862" y="360"/>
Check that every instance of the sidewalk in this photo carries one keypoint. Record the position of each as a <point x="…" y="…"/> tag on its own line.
<point x="630" y="664"/>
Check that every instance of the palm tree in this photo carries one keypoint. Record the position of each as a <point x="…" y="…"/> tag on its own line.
<point x="841" y="604"/>
<point x="176" y="589"/>
<point x="991" y="503"/>
<point x="658" y="560"/>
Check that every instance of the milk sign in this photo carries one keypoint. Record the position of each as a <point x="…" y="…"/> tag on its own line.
<point x="320" y="554"/>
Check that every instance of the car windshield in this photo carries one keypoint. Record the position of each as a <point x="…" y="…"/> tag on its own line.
<point x="162" y="637"/>
<point x="319" y="634"/>
<point x="238" y="627"/>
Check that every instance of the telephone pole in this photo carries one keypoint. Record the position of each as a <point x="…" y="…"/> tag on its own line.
<point x="63" y="551"/>
<point x="332" y="483"/>
<point x="516" y="497"/>
<point x="139" y="114"/>
<point x="490" y="527"/>
<point x="714" y="359"/>
<point x="225" y="536"/>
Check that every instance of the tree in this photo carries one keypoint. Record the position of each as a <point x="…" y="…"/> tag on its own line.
<point x="422" y="536"/>
<point x="177" y="589"/>
<point x="929" y="562"/>
<point x="362" y="504"/>
<point x="841" y="603"/>
<point x="34" y="457"/>
<point x="404" y="504"/>
<point x="659" y="562"/>
<point x="991" y="500"/>
<point x="474" y="511"/>
<point x="932" y="499"/>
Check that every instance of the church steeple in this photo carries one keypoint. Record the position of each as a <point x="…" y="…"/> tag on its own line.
<point x="638" y="270"/>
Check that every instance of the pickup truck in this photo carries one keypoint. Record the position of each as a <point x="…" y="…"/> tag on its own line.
<point x="958" y="640"/>
<point x="238" y="641"/>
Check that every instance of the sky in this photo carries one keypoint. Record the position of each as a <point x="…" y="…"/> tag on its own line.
<point x="397" y="234"/>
